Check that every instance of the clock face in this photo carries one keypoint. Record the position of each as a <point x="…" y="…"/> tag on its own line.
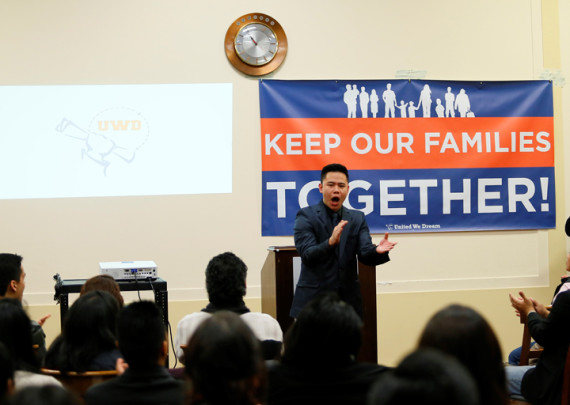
<point x="256" y="44"/>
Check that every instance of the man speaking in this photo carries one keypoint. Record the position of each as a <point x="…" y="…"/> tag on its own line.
<point x="329" y="237"/>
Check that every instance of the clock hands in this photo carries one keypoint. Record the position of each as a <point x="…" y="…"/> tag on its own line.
<point x="253" y="40"/>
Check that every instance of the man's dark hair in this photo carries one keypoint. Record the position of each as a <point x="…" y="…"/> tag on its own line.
<point x="428" y="377"/>
<point x="333" y="167"/>
<point x="328" y="331"/>
<point x="224" y="361"/>
<point x="10" y="269"/>
<point x="225" y="280"/>
<point x="141" y="331"/>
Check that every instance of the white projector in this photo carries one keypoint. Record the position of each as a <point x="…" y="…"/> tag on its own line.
<point x="138" y="270"/>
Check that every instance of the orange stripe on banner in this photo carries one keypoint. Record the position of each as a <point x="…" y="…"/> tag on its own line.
<point x="407" y="143"/>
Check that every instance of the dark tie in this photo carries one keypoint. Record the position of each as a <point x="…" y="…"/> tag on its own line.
<point x="335" y="219"/>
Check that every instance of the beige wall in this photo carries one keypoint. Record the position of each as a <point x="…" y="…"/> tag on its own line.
<point x="181" y="41"/>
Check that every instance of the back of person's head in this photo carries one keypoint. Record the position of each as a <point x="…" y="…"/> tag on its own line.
<point x="103" y="282"/>
<point x="89" y="329"/>
<point x="224" y="362"/>
<point x="333" y="167"/>
<point x="44" y="395"/>
<point x="16" y="334"/>
<point x="328" y="331"/>
<point x="427" y="377"/>
<point x="463" y="333"/>
<point x="6" y="373"/>
<point x="142" y="334"/>
<point x="10" y="269"/>
<point x="225" y="280"/>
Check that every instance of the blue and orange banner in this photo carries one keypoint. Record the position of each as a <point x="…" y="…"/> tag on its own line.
<point x="423" y="155"/>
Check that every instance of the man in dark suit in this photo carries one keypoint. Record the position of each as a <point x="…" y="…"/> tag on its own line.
<point x="329" y="238"/>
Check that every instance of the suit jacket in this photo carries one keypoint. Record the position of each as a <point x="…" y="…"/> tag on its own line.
<point x="543" y="384"/>
<point x="331" y="268"/>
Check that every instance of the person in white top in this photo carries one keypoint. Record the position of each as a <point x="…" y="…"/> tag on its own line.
<point x="226" y="286"/>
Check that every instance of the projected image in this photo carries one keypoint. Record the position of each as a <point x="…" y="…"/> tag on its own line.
<point x="115" y="140"/>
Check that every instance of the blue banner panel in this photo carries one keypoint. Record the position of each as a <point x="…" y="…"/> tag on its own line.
<point x="423" y="156"/>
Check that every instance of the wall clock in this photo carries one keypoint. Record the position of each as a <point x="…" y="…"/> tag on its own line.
<point x="256" y="44"/>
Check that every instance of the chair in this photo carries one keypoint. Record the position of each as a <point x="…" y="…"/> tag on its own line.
<point x="526" y="352"/>
<point x="78" y="383"/>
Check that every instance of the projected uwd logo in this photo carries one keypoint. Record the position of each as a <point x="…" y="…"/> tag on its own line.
<point x="119" y="125"/>
<point x="113" y="135"/>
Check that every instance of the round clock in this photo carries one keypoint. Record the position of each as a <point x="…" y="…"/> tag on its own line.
<point x="256" y="44"/>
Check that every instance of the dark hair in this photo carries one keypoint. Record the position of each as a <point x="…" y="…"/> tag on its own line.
<point x="103" y="282"/>
<point x="333" y="167"/>
<point x="141" y="333"/>
<point x="16" y="334"/>
<point x="10" y="269"/>
<point x="328" y="331"/>
<point x="89" y="329"/>
<point x="6" y="371"/>
<point x="224" y="362"/>
<point x="463" y="333"/>
<point x="225" y="280"/>
<point x="428" y="377"/>
<point x="45" y="395"/>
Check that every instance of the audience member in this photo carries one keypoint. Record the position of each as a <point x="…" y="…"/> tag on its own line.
<point x="462" y="332"/>
<point x="515" y="355"/>
<point x="144" y="345"/>
<point x="6" y="374"/>
<point x="542" y="384"/>
<point x="47" y="395"/>
<point x="88" y="339"/>
<point x="226" y="285"/>
<point x="224" y="362"/>
<point x="103" y="282"/>
<point x="12" y="285"/>
<point x="319" y="359"/>
<point x="16" y="335"/>
<point x="427" y="377"/>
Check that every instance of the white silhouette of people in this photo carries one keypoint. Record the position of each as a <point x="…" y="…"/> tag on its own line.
<point x="439" y="109"/>
<point x="412" y="110"/>
<point x="449" y="99"/>
<point x="402" y="108"/>
<point x="425" y="101"/>
<point x="350" y="101"/>
<point x="364" y="100"/>
<point x="373" y="103"/>
<point x="462" y="103"/>
<point x="389" y="98"/>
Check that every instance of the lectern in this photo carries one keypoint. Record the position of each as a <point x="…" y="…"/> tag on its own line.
<point x="277" y="288"/>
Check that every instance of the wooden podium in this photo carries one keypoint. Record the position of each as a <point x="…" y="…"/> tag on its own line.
<point x="277" y="295"/>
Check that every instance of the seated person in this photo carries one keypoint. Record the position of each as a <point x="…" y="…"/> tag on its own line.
<point x="226" y="285"/>
<point x="12" y="285"/>
<point x="515" y="355"/>
<point x="16" y="335"/>
<point x="427" y="377"/>
<point x="319" y="359"/>
<point x="462" y="332"/>
<point x="88" y="339"/>
<point x="542" y="384"/>
<point x="224" y="363"/>
<point x="46" y="395"/>
<point x="103" y="282"/>
<point x="6" y="374"/>
<point x="143" y="343"/>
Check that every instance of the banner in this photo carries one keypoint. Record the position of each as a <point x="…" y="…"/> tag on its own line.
<point x="422" y="155"/>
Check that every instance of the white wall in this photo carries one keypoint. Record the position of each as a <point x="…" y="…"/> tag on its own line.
<point x="181" y="41"/>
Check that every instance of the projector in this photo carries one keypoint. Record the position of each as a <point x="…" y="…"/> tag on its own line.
<point x="138" y="270"/>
